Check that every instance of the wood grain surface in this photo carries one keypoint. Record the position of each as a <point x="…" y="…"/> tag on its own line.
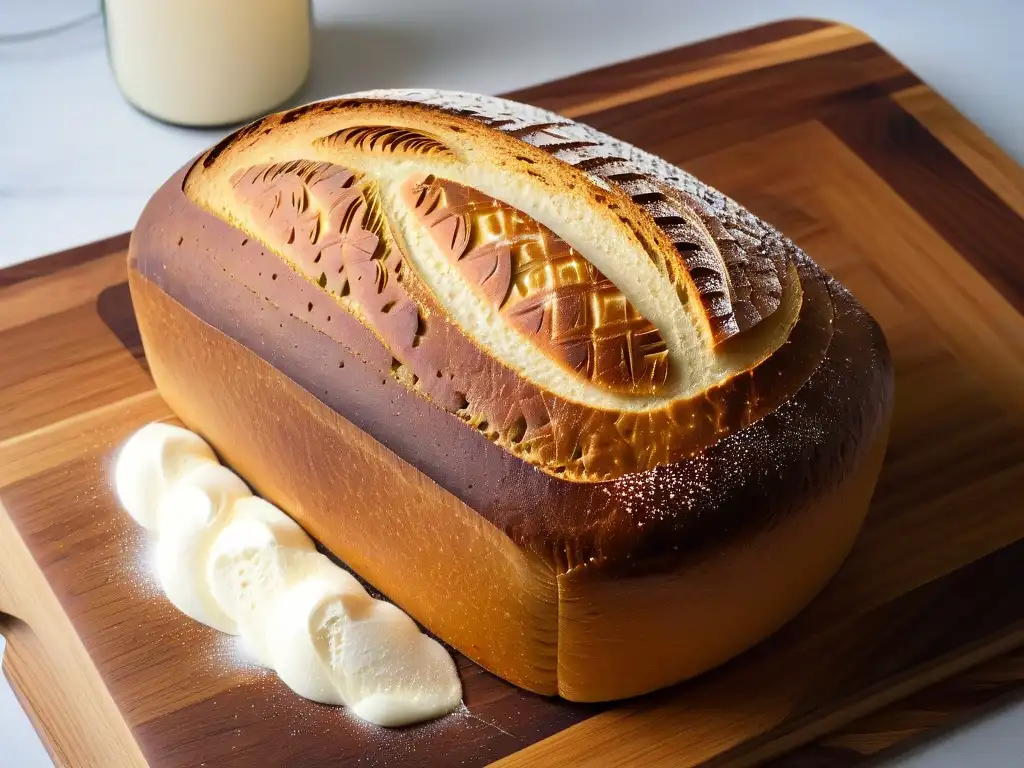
<point x="816" y="129"/>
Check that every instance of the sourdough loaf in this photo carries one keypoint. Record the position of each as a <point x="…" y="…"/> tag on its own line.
<point x="584" y="417"/>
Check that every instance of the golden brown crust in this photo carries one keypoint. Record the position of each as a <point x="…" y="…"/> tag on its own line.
<point x="624" y="635"/>
<point x="429" y="552"/>
<point x="308" y="304"/>
<point x="587" y="634"/>
<point x="642" y="521"/>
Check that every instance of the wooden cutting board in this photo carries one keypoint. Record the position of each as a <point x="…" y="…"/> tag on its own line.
<point x="817" y="130"/>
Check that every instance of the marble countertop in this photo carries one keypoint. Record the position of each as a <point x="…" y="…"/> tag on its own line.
<point x="77" y="163"/>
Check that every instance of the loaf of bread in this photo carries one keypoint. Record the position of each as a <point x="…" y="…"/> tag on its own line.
<point x="585" y="418"/>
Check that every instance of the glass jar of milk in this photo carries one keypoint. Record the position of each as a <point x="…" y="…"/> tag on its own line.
<point x="208" y="62"/>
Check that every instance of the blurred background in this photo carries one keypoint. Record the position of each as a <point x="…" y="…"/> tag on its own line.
<point x="78" y="162"/>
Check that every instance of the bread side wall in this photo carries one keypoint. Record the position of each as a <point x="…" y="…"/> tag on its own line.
<point x="434" y="556"/>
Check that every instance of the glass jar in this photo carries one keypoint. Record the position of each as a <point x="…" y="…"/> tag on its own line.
<point x="208" y="62"/>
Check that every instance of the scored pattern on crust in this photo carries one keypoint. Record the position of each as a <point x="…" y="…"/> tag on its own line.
<point x="388" y="140"/>
<point x="542" y="286"/>
<point x="330" y="225"/>
<point x="737" y="263"/>
<point x="355" y="215"/>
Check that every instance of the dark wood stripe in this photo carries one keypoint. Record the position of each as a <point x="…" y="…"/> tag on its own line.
<point x="622" y="76"/>
<point x="937" y="619"/>
<point x="918" y="719"/>
<point x="893" y="642"/>
<point x="710" y="116"/>
<point x="498" y="721"/>
<point x="266" y="714"/>
<point x="47" y="265"/>
<point x="927" y="175"/>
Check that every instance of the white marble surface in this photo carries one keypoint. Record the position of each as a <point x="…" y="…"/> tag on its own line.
<point x="77" y="163"/>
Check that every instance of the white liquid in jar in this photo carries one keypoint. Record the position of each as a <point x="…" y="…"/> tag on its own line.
<point x="208" y="62"/>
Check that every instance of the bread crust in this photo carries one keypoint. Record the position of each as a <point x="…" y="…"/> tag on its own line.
<point x="586" y="634"/>
<point x="293" y="177"/>
<point x="427" y="551"/>
<point x="571" y="510"/>
<point x="638" y="522"/>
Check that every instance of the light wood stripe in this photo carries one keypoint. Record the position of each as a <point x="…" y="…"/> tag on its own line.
<point x="80" y="724"/>
<point x="30" y="453"/>
<point x="40" y="297"/>
<point x="968" y="142"/>
<point x="976" y="322"/>
<point x="817" y="43"/>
